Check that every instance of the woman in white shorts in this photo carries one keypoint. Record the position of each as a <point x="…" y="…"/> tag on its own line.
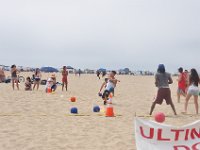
<point x="193" y="90"/>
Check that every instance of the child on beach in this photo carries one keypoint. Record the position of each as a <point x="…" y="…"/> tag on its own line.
<point x="14" y="77"/>
<point x="163" y="79"/>
<point x="28" y="84"/>
<point x="193" y="90"/>
<point x="109" y="84"/>
<point x="51" y="83"/>
<point x="64" y="78"/>
<point x="182" y="82"/>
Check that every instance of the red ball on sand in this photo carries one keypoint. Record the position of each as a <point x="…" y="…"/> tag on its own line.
<point x="159" y="117"/>
<point x="73" y="99"/>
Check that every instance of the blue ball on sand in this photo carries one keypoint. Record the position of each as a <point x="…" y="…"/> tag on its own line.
<point x="96" y="109"/>
<point x="74" y="110"/>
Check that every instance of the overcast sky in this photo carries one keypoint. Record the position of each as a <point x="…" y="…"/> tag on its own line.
<point x="113" y="34"/>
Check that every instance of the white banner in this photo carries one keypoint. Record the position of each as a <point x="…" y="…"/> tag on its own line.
<point x="154" y="136"/>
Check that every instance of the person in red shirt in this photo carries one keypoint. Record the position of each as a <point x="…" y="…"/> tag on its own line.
<point x="182" y="80"/>
<point x="187" y="79"/>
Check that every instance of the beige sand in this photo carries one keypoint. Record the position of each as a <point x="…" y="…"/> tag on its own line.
<point x="39" y="121"/>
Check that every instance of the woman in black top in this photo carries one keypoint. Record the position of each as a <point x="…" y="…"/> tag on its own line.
<point x="37" y="78"/>
<point x="14" y="77"/>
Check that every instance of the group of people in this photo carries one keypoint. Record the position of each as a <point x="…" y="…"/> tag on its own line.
<point x="187" y="86"/>
<point x="188" y="83"/>
<point x="109" y="84"/>
<point x="28" y="84"/>
<point x="51" y="82"/>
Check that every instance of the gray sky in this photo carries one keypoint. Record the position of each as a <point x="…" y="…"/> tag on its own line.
<point x="138" y="34"/>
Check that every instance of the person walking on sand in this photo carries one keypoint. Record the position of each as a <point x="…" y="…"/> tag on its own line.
<point x="64" y="78"/>
<point x="193" y="90"/>
<point x="182" y="82"/>
<point x="162" y="81"/>
<point x="79" y="72"/>
<point x="14" y="77"/>
<point x="37" y="78"/>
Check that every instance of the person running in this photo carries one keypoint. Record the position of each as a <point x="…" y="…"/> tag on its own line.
<point x="14" y="77"/>
<point x="162" y="81"/>
<point x="182" y="81"/>
<point x="64" y="78"/>
<point x="109" y="84"/>
<point x="37" y="78"/>
<point x="193" y="90"/>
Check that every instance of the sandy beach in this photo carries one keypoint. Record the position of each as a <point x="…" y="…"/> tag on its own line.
<point x="39" y="121"/>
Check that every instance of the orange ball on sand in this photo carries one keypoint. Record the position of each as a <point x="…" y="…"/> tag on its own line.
<point x="73" y="99"/>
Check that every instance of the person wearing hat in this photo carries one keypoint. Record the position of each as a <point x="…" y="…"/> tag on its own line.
<point x="162" y="81"/>
<point x="51" y="83"/>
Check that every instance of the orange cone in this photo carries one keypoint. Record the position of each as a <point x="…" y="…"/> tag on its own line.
<point x="49" y="90"/>
<point x="109" y="111"/>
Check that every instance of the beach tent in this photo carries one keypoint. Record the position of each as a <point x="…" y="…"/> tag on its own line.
<point x="101" y="70"/>
<point x="49" y="69"/>
<point x="70" y="67"/>
<point x="124" y="71"/>
<point x="6" y="68"/>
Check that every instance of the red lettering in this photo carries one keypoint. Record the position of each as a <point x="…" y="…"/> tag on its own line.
<point x="187" y="134"/>
<point x="195" y="134"/>
<point x="160" y="138"/>
<point x="181" y="146"/>
<point x="194" y="147"/>
<point x="177" y="134"/>
<point x="151" y="133"/>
